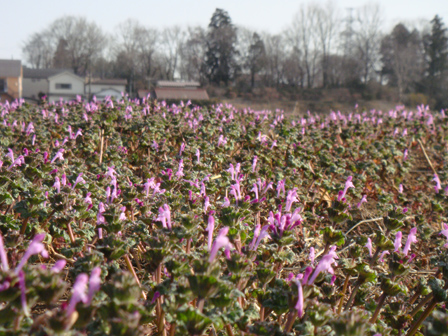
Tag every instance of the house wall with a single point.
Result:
(77, 86)
(95, 88)
(32, 87)
(14, 87)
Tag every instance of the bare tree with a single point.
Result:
(169, 49)
(38, 51)
(81, 41)
(192, 53)
(327, 24)
(302, 37)
(251, 53)
(367, 38)
(275, 58)
(134, 49)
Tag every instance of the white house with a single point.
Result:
(53, 83)
(102, 88)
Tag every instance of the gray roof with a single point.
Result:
(172, 84)
(10, 68)
(107, 81)
(42, 73)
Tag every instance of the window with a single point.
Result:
(3, 85)
(64, 86)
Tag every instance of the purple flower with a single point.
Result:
(94, 284)
(262, 234)
(210, 228)
(206, 203)
(400, 188)
(382, 255)
(369, 246)
(307, 274)
(255, 190)
(443, 232)
(3, 255)
(363, 200)
(325, 265)
(397, 242)
(348, 184)
(290, 199)
(165, 216)
(78, 293)
(58, 155)
(79, 179)
(226, 202)
(198, 155)
(220, 242)
(299, 304)
(155, 297)
(58, 266)
(411, 239)
(254, 164)
(312, 255)
(438, 185)
(36, 247)
(281, 188)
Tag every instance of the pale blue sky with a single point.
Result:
(21, 18)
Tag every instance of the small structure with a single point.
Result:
(164, 90)
(10, 80)
(53, 83)
(102, 88)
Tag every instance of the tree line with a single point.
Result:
(321, 48)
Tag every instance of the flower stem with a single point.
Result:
(378, 308)
(352, 296)
(423, 317)
(421, 304)
(344, 289)
(131, 269)
(290, 322)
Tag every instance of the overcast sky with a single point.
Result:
(21, 18)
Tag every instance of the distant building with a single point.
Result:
(164, 90)
(102, 88)
(10, 80)
(52, 83)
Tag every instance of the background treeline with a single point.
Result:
(323, 48)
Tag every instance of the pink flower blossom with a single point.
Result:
(348, 184)
(397, 242)
(220, 242)
(363, 200)
(299, 304)
(36, 247)
(210, 229)
(369, 246)
(411, 239)
(78, 293)
(443, 232)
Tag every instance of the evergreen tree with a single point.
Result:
(220, 65)
(436, 57)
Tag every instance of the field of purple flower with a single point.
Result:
(138, 218)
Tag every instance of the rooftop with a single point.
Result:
(110, 81)
(10, 68)
(180, 93)
(42, 73)
(173, 84)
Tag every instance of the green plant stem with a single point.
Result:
(70, 233)
(290, 321)
(421, 304)
(24, 225)
(229, 330)
(344, 289)
(131, 269)
(378, 308)
(423, 317)
(352, 295)
(374, 257)
(172, 329)
(200, 304)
